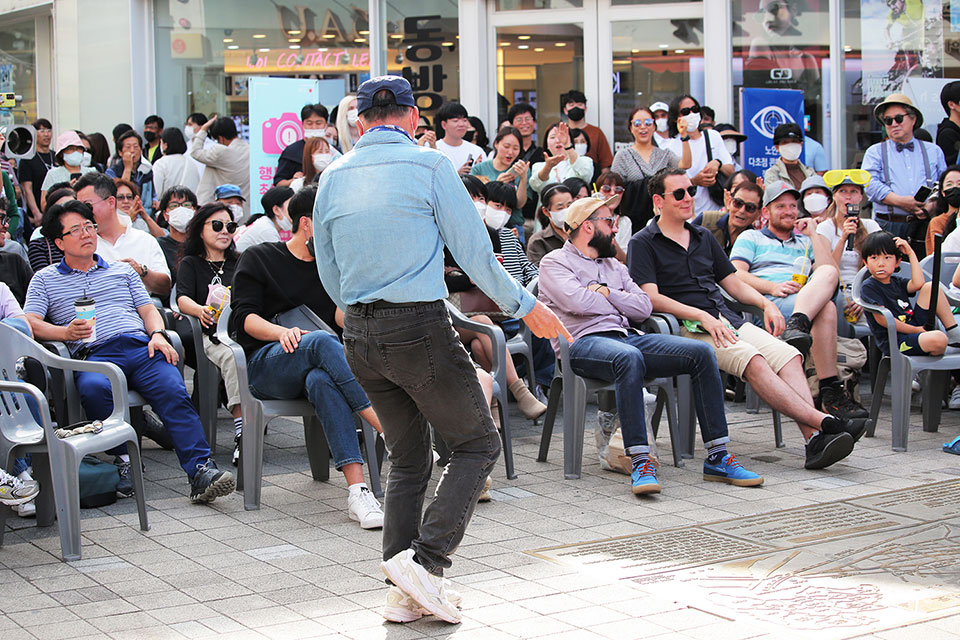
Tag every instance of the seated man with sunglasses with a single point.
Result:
(743, 209)
(682, 267)
(899, 166)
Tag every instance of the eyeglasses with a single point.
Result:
(646, 122)
(81, 230)
(92, 203)
(835, 176)
(176, 205)
(688, 110)
(126, 197)
(218, 225)
(897, 118)
(613, 220)
(749, 207)
(523, 119)
(608, 189)
(680, 194)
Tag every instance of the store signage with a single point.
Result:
(246, 61)
(761, 111)
(425, 48)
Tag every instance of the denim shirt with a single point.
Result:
(381, 218)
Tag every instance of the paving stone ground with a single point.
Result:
(299, 568)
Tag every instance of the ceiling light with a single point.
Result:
(293, 39)
(294, 32)
(294, 46)
(329, 36)
(359, 40)
(664, 46)
(634, 50)
(233, 46)
(504, 44)
(259, 35)
(228, 39)
(559, 44)
(264, 50)
(396, 36)
(364, 32)
(848, 48)
(679, 50)
(538, 49)
(523, 46)
(523, 37)
(446, 44)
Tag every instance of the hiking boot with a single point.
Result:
(835, 400)
(124, 485)
(426, 589)
(210, 483)
(797, 333)
(644, 479)
(856, 427)
(14, 491)
(824, 449)
(365, 509)
(730, 471)
(402, 608)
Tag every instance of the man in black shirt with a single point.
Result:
(32, 172)
(289, 362)
(290, 164)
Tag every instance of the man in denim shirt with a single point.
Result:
(382, 216)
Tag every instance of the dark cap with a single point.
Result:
(275, 196)
(789, 131)
(397, 85)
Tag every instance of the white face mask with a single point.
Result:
(179, 218)
(791, 150)
(188, 133)
(314, 133)
(481, 207)
(494, 218)
(731, 145)
(236, 211)
(321, 161)
(74, 158)
(580, 148)
(815, 202)
(559, 217)
(662, 125)
(87, 159)
(693, 121)
(352, 117)
(285, 224)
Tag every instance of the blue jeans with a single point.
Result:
(318, 370)
(627, 360)
(160, 384)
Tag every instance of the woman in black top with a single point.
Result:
(208, 261)
(41, 250)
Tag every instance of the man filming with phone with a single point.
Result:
(900, 166)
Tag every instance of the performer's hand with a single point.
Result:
(545, 324)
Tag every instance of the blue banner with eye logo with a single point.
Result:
(761, 111)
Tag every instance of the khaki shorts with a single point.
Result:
(222, 356)
(753, 341)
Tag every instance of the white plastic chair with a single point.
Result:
(56, 462)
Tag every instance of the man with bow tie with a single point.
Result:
(900, 165)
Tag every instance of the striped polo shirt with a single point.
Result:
(116, 289)
(769, 257)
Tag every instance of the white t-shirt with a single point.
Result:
(698, 159)
(458, 155)
(172, 171)
(262, 230)
(135, 244)
(951, 244)
(850, 260)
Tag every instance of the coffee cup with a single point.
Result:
(86, 310)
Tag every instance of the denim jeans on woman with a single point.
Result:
(317, 370)
(410, 361)
(627, 360)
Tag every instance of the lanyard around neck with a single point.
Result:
(391, 127)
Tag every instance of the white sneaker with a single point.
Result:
(402, 608)
(426, 589)
(365, 509)
(14, 491)
(26, 510)
(954, 402)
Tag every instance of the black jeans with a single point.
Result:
(415, 371)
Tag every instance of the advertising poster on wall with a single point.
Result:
(761, 111)
(899, 39)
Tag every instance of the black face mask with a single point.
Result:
(310, 248)
(468, 136)
(605, 245)
(149, 136)
(576, 114)
(952, 196)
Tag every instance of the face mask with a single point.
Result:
(310, 248)
(149, 136)
(494, 218)
(352, 117)
(236, 211)
(559, 217)
(468, 136)
(693, 121)
(790, 151)
(662, 125)
(817, 202)
(179, 218)
(731, 146)
(314, 133)
(481, 207)
(581, 148)
(286, 224)
(952, 196)
(321, 161)
(87, 159)
(576, 114)
(188, 133)
(74, 158)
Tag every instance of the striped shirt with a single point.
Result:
(515, 261)
(767, 256)
(115, 288)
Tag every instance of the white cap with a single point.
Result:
(659, 106)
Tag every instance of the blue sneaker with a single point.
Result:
(729, 470)
(644, 479)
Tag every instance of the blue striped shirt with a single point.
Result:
(767, 256)
(116, 289)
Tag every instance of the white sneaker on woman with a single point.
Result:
(365, 509)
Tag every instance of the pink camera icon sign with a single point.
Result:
(279, 132)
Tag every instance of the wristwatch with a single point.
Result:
(162, 332)
(143, 270)
(684, 139)
(568, 148)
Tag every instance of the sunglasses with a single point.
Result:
(749, 207)
(125, 197)
(835, 176)
(680, 194)
(688, 110)
(646, 122)
(891, 119)
(217, 226)
(608, 189)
